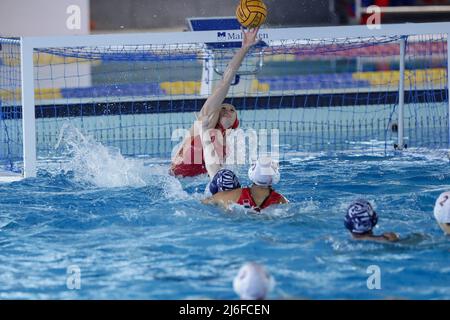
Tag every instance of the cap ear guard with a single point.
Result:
(276, 176)
(251, 172)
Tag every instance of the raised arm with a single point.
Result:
(212, 160)
(215, 100)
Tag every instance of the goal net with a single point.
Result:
(334, 92)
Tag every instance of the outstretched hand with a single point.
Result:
(249, 37)
(391, 236)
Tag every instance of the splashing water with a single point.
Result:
(95, 163)
(92, 163)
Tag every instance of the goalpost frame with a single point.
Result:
(401, 93)
(28, 110)
(29, 44)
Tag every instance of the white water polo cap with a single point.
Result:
(253, 282)
(264, 172)
(442, 208)
(442, 211)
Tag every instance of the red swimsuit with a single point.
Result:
(193, 168)
(196, 164)
(247, 201)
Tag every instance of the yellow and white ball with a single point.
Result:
(251, 13)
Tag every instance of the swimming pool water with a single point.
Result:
(137, 233)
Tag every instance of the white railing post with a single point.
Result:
(401, 93)
(28, 112)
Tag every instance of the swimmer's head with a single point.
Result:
(228, 117)
(264, 172)
(360, 217)
(253, 282)
(224, 180)
(442, 211)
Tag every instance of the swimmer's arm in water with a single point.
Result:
(224, 198)
(390, 236)
(215, 100)
(385, 237)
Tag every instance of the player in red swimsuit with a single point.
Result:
(264, 173)
(189, 159)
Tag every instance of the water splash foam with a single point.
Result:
(91, 162)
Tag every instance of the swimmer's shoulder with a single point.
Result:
(385, 237)
(224, 197)
(229, 196)
(281, 198)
